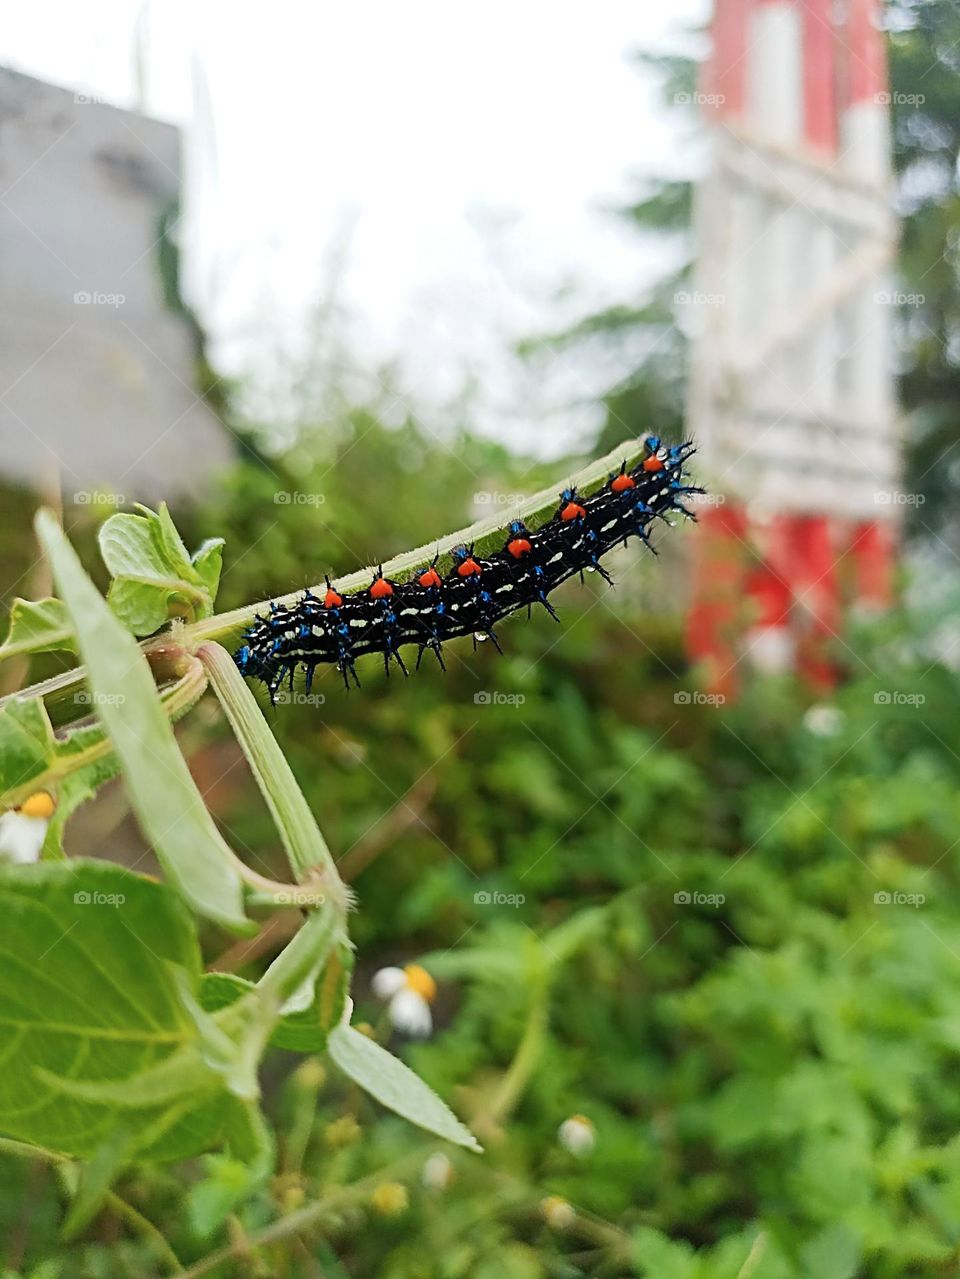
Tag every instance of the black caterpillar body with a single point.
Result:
(478, 591)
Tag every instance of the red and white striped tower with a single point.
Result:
(791, 387)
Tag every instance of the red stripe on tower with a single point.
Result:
(819, 75)
(867, 53)
(723, 71)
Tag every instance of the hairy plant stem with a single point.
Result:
(176, 699)
(485, 535)
(525, 1060)
(307, 852)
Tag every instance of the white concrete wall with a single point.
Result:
(100, 390)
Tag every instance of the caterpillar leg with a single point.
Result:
(395, 654)
(347, 668)
(436, 648)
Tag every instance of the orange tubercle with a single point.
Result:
(380, 588)
(572, 511)
(430, 578)
(620, 483)
(468, 567)
(332, 599)
(519, 546)
(653, 464)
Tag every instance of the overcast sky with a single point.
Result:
(459, 162)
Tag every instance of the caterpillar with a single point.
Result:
(477, 591)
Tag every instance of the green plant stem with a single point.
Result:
(303, 955)
(138, 1221)
(306, 1217)
(125, 1211)
(754, 1257)
(176, 699)
(525, 1060)
(294, 1147)
(304, 844)
(485, 534)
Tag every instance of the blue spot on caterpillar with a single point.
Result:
(478, 591)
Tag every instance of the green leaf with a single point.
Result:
(162, 792)
(210, 1201)
(208, 564)
(153, 576)
(301, 1032)
(169, 540)
(75, 789)
(37, 626)
(73, 762)
(482, 962)
(657, 1256)
(89, 1002)
(26, 742)
(567, 938)
(96, 1178)
(395, 1086)
(832, 1254)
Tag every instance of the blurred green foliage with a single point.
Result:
(700, 963)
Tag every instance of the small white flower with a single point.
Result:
(409, 993)
(22, 830)
(437, 1172)
(577, 1134)
(823, 721)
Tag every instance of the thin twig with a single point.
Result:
(404, 814)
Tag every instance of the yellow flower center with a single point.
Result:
(419, 979)
(390, 1199)
(42, 804)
